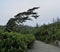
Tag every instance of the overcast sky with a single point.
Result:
(49, 9)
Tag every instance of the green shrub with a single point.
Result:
(15, 42)
(48, 33)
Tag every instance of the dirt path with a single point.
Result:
(42, 47)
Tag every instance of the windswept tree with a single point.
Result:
(20, 18)
(11, 25)
(23, 16)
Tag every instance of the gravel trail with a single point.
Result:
(42, 47)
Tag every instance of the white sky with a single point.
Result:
(49, 9)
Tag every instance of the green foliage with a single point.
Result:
(15, 42)
(48, 33)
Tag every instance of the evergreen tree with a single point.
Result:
(20, 18)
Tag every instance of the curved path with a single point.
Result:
(42, 47)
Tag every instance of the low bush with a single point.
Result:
(15, 42)
(48, 33)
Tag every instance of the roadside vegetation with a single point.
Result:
(49, 33)
(15, 42)
(15, 37)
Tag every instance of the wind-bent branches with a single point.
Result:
(23, 16)
(20, 18)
